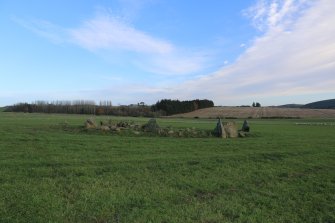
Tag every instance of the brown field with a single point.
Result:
(263, 112)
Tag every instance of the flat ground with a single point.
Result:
(263, 112)
(53, 171)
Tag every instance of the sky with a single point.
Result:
(130, 51)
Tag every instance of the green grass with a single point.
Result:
(282, 173)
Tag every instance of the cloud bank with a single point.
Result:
(294, 56)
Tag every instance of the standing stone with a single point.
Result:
(151, 126)
(231, 130)
(219, 130)
(245, 127)
(226, 130)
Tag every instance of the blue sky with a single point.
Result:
(128, 51)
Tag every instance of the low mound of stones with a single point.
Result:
(222, 130)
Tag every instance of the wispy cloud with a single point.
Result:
(294, 56)
(276, 14)
(46, 29)
(108, 34)
(131, 9)
(242, 45)
(154, 55)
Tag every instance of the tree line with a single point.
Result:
(171, 107)
(83, 107)
(163, 107)
(67, 107)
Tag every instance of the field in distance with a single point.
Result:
(262, 112)
(53, 170)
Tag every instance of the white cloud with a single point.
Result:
(152, 54)
(131, 8)
(43, 28)
(109, 32)
(281, 62)
(108, 35)
(277, 14)
(295, 56)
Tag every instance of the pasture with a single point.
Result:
(51, 170)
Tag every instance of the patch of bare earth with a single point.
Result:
(263, 112)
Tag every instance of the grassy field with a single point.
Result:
(52, 171)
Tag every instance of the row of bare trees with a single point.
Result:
(83, 107)
(163, 107)
(66, 107)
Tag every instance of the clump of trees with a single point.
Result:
(171, 107)
(257, 104)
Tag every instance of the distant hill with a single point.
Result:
(290, 106)
(326, 104)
